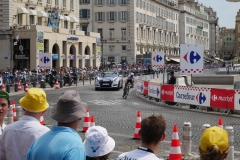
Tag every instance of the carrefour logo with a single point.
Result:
(154, 91)
(140, 87)
(170, 93)
(201, 98)
(222, 98)
(185, 96)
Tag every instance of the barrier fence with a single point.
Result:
(227, 99)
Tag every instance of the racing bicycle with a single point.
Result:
(126, 91)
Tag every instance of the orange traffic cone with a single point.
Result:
(14, 110)
(42, 120)
(175, 150)
(26, 87)
(3, 87)
(92, 121)
(57, 85)
(220, 123)
(19, 86)
(87, 122)
(137, 126)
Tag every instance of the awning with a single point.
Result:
(22, 10)
(32, 12)
(42, 14)
(61, 17)
(74, 20)
(175, 59)
(66, 18)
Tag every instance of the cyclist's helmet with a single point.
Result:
(132, 74)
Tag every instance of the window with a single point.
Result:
(84, 13)
(64, 3)
(31, 19)
(111, 48)
(99, 2)
(84, 1)
(84, 28)
(111, 2)
(112, 16)
(124, 48)
(20, 19)
(111, 33)
(71, 4)
(123, 33)
(66, 24)
(48, 2)
(39, 21)
(123, 2)
(100, 16)
(56, 2)
(100, 31)
(123, 16)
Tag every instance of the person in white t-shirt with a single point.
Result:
(152, 133)
(4, 107)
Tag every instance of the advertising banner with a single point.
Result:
(157, 60)
(140, 86)
(222, 98)
(98, 46)
(40, 42)
(167, 93)
(145, 88)
(191, 59)
(237, 100)
(45, 60)
(72, 57)
(192, 95)
(55, 57)
(154, 90)
(54, 17)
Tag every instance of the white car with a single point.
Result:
(109, 80)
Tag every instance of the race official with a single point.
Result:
(152, 133)
(19, 136)
(4, 107)
(62, 142)
(172, 79)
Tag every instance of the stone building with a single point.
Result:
(30, 27)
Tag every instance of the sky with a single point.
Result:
(226, 11)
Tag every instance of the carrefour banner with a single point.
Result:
(237, 100)
(167, 92)
(154, 90)
(140, 86)
(145, 88)
(192, 95)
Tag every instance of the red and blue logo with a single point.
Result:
(192, 57)
(45, 60)
(201, 98)
(157, 58)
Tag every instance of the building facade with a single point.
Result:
(228, 38)
(131, 29)
(31, 27)
(237, 34)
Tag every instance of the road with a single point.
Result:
(118, 116)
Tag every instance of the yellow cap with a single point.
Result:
(214, 136)
(34, 101)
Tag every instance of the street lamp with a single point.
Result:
(102, 52)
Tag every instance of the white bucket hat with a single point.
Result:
(97, 142)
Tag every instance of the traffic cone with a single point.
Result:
(175, 150)
(14, 110)
(92, 121)
(26, 87)
(19, 86)
(220, 123)
(3, 87)
(57, 85)
(137, 126)
(87, 121)
(42, 120)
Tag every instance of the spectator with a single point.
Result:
(152, 133)
(214, 144)
(172, 79)
(4, 107)
(98, 144)
(62, 142)
(18, 137)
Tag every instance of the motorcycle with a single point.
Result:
(50, 79)
(68, 78)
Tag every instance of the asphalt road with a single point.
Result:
(118, 116)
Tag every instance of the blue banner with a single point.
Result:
(54, 18)
(55, 57)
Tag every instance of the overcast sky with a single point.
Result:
(226, 11)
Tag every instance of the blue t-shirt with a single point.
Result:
(60, 143)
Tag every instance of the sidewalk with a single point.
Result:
(79, 84)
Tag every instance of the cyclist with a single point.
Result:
(130, 79)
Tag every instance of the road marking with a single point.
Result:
(111, 102)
